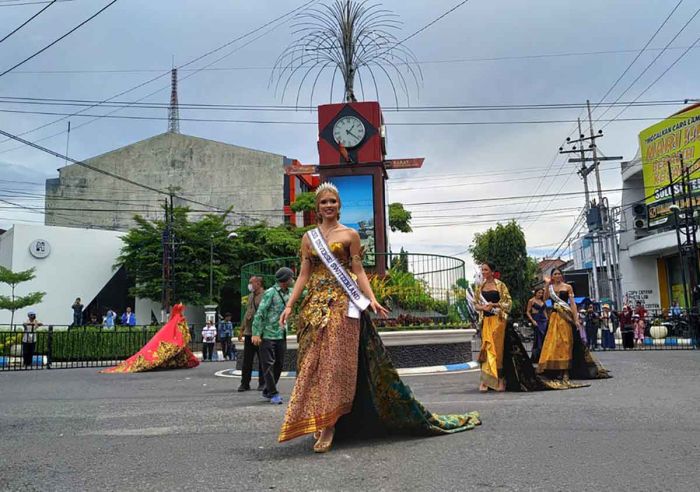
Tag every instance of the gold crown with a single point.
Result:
(326, 186)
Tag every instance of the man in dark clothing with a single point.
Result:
(77, 312)
(250, 351)
(591, 323)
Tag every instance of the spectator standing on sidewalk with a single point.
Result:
(77, 312)
(208, 340)
(608, 325)
(250, 351)
(591, 323)
(225, 334)
(109, 318)
(29, 337)
(269, 335)
(128, 317)
(640, 316)
(627, 327)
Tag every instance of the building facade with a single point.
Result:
(204, 175)
(650, 263)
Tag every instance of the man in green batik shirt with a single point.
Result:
(269, 335)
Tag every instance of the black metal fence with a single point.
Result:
(658, 334)
(58, 347)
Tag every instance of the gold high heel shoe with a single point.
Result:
(324, 447)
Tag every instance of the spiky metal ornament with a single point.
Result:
(351, 38)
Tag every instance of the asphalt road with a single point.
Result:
(75, 429)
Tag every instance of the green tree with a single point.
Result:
(505, 246)
(14, 302)
(142, 254)
(400, 263)
(305, 202)
(399, 218)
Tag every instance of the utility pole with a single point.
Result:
(604, 211)
(165, 282)
(168, 243)
(584, 172)
(599, 224)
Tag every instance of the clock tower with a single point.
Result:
(352, 156)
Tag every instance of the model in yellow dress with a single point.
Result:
(493, 302)
(563, 352)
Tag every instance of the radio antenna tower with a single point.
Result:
(173, 112)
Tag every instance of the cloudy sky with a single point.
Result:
(510, 52)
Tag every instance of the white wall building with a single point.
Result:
(69, 263)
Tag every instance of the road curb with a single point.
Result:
(408, 371)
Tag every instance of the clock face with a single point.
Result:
(348, 131)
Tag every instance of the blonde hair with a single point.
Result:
(326, 187)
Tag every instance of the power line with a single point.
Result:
(60, 38)
(28, 21)
(142, 84)
(267, 68)
(307, 123)
(13, 4)
(615, 118)
(640, 53)
(654, 61)
(101, 171)
(644, 48)
(429, 24)
(38, 101)
(472, 200)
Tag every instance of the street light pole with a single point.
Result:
(211, 269)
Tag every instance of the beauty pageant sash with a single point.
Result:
(566, 311)
(558, 300)
(358, 301)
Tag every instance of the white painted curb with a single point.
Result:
(408, 371)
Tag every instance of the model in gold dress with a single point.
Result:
(345, 378)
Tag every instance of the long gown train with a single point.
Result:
(167, 349)
(345, 377)
(564, 349)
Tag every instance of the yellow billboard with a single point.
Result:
(664, 143)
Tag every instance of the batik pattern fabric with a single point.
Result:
(493, 330)
(345, 377)
(518, 371)
(558, 343)
(564, 349)
(168, 349)
(493, 327)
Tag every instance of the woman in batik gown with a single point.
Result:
(505, 365)
(168, 349)
(564, 354)
(493, 302)
(345, 378)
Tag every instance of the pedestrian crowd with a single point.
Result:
(109, 318)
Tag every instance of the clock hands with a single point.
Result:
(352, 134)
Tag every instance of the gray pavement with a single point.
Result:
(75, 429)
